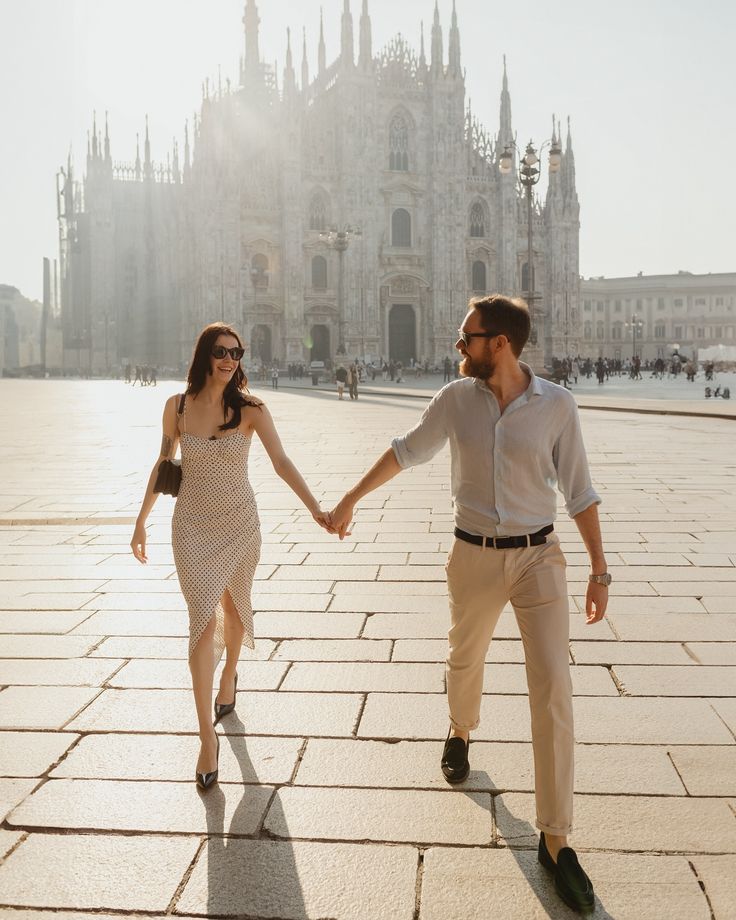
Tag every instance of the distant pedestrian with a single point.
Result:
(137, 375)
(446, 370)
(353, 376)
(341, 376)
(152, 376)
(274, 378)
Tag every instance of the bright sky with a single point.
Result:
(649, 85)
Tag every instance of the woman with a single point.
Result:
(215, 528)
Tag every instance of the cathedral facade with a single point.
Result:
(350, 211)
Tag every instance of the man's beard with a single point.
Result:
(482, 369)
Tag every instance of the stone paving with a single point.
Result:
(331, 805)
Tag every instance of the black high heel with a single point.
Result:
(205, 780)
(223, 709)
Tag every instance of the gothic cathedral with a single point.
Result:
(352, 211)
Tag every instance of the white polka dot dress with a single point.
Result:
(215, 532)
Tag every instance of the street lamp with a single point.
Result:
(529, 175)
(340, 240)
(636, 326)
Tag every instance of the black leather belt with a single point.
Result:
(530, 539)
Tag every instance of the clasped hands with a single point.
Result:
(338, 520)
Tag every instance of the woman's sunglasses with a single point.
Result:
(219, 351)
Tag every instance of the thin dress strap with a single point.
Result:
(182, 413)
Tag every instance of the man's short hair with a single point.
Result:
(506, 315)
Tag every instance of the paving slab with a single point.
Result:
(629, 823)
(501, 650)
(358, 677)
(333, 650)
(101, 805)
(713, 652)
(42, 707)
(98, 872)
(33, 621)
(468, 883)
(640, 680)
(71, 672)
(167, 647)
(171, 758)
(627, 769)
(12, 792)
(319, 880)
(706, 770)
(617, 653)
(718, 875)
(381, 815)
(165, 674)
(32, 753)
(286, 625)
(267, 713)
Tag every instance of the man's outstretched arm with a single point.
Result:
(385, 468)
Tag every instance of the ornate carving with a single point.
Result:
(384, 295)
(403, 285)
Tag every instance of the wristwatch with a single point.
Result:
(604, 579)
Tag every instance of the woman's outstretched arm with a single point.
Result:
(169, 442)
(264, 427)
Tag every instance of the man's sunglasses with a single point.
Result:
(219, 351)
(465, 337)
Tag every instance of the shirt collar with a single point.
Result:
(534, 388)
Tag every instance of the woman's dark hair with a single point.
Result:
(236, 393)
(507, 315)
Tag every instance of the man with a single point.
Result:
(512, 436)
(341, 376)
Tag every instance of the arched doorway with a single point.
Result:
(320, 344)
(260, 344)
(402, 333)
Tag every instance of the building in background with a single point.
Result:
(653, 313)
(235, 226)
(20, 331)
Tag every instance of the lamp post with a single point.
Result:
(529, 175)
(636, 326)
(339, 240)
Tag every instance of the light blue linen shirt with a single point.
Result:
(505, 468)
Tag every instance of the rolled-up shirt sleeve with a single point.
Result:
(571, 463)
(426, 438)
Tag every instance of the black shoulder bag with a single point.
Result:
(168, 478)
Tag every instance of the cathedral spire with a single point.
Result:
(454, 46)
(138, 157)
(305, 62)
(107, 143)
(94, 135)
(187, 160)
(505, 133)
(252, 54)
(147, 165)
(346, 40)
(422, 56)
(568, 169)
(289, 75)
(321, 54)
(437, 62)
(366, 51)
(176, 175)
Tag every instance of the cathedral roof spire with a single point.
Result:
(176, 175)
(366, 51)
(107, 142)
(137, 157)
(305, 62)
(321, 54)
(437, 66)
(187, 160)
(251, 23)
(568, 169)
(454, 46)
(147, 165)
(94, 135)
(346, 40)
(422, 56)
(505, 133)
(289, 75)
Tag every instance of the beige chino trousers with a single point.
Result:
(480, 582)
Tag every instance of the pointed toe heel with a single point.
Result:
(206, 780)
(224, 709)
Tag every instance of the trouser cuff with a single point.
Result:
(556, 831)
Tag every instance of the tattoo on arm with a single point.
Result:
(165, 446)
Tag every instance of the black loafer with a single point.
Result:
(455, 764)
(571, 882)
